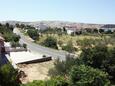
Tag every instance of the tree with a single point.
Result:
(64, 30)
(89, 30)
(17, 25)
(15, 44)
(16, 38)
(58, 31)
(29, 27)
(8, 76)
(109, 32)
(94, 56)
(109, 65)
(11, 27)
(101, 30)
(22, 26)
(50, 42)
(87, 76)
(95, 30)
(7, 25)
(33, 33)
(0, 24)
(100, 57)
(25, 46)
(11, 37)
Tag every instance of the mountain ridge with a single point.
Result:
(58, 24)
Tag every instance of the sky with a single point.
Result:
(85, 11)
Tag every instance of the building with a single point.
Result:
(108, 27)
(70, 29)
(41, 26)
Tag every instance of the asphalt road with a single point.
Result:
(40, 49)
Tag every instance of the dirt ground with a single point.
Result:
(36, 71)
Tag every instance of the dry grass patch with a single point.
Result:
(36, 71)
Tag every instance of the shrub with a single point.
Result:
(100, 57)
(69, 47)
(11, 37)
(15, 44)
(8, 76)
(33, 33)
(57, 81)
(87, 76)
(25, 45)
(62, 68)
(50, 42)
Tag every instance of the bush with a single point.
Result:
(62, 68)
(101, 30)
(15, 38)
(7, 32)
(11, 37)
(15, 44)
(109, 32)
(50, 42)
(69, 47)
(33, 33)
(100, 57)
(57, 81)
(25, 45)
(35, 83)
(8, 76)
(87, 76)
(95, 56)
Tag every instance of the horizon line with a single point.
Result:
(52, 21)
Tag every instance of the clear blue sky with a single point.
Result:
(87, 11)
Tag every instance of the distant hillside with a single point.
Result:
(109, 26)
(57, 24)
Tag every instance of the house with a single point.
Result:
(41, 26)
(108, 27)
(70, 29)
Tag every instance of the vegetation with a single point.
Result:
(50, 42)
(75, 72)
(57, 81)
(95, 66)
(15, 44)
(8, 76)
(25, 45)
(33, 33)
(87, 76)
(100, 57)
(7, 32)
(62, 68)
(50, 30)
(98, 60)
(69, 47)
(20, 26)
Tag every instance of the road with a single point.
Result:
(40, 49)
